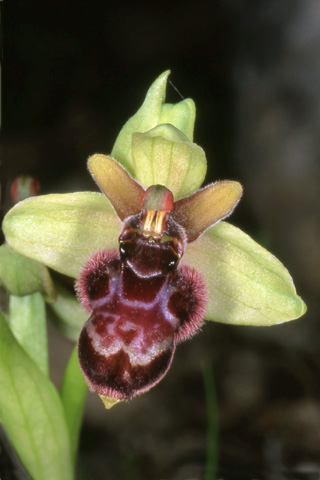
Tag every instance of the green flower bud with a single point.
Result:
(154, 112)
(20, 275)
(146, 118)
(24, 187)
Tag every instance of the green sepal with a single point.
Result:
(247, 284)
(165, 156)
(31, 413)
(62, 231)
(27, 319)
(20, 275)
(69, 316)
(146, 118)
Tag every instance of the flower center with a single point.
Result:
(157, 203)
(154, 223)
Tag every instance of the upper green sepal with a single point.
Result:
(146, 117)
(21, 276)
(165, 156)
(154, 112)
(247, 284)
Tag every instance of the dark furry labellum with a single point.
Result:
(142, 303)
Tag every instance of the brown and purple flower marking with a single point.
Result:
(142, 302)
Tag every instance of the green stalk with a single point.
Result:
(73, 396)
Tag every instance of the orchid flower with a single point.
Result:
(153, 240)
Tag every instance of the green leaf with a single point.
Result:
(22, 276)
(73, 395)
(62, 231)
(31, 413)
(182, 115)
(69, 314)
(165, 156)
(146, 118)
(27, 317)
(247, 285)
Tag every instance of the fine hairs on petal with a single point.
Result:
(96, 266)
(207, 206)
(193, 294)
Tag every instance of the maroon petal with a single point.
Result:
(206, 207)
(115, 182)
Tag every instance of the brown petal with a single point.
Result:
(206, 207)
(115, 182)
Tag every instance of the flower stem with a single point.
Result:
(73, 395)
(210, 470)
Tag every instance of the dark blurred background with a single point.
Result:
(73, 72)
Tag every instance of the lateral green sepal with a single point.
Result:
(62, 231)
(247, 284)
